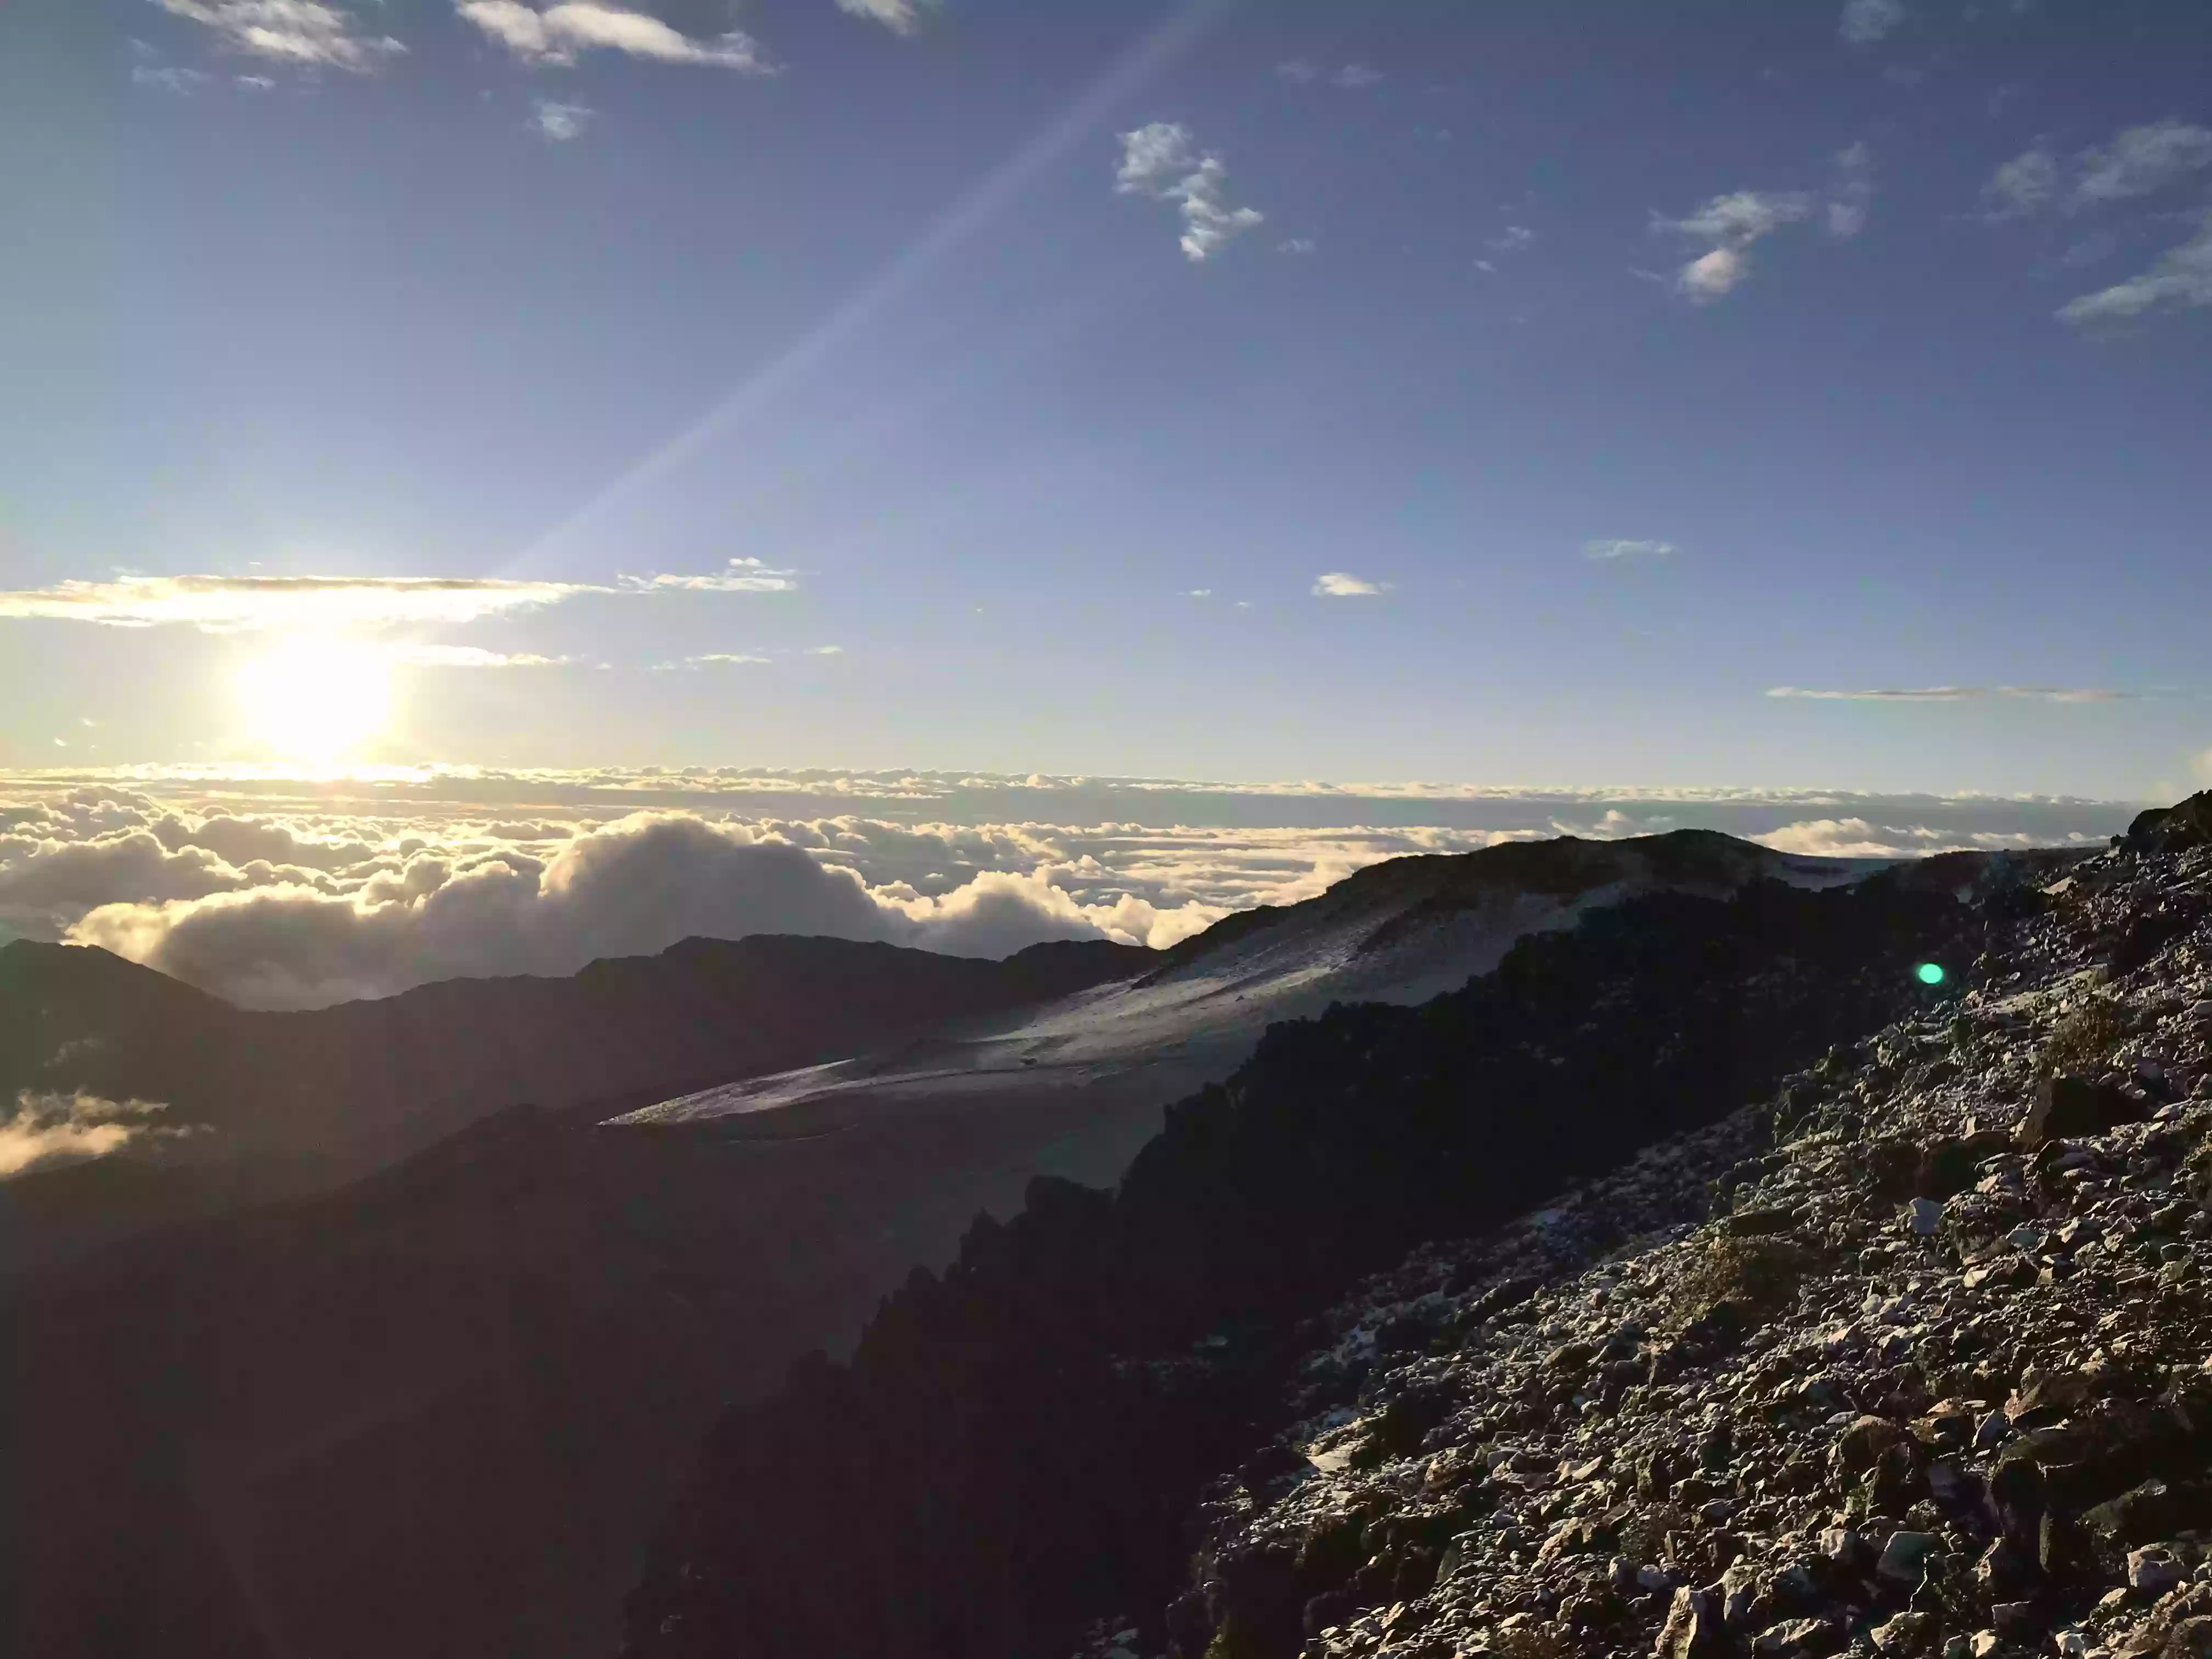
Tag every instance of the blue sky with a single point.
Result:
(1645, 362)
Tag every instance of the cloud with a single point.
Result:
(221, 604)
(559, 122)
(1157, 161)
(629, 888)
(1296, 245)
(1616, 549)
(558, 33)
(303, 31)
(2140, 162)
(167, 77)
(470, 656)
(743, 576)
(826, 651)
(1352, 77)
(2137, 161)
(1851, 196)
(2026, 184)
(1958, 694)
(314, 905)
(712, 659)
(1514, 239)
(899, 16)
(1732, 223)
(58, 1128)
(1864, 22)
(2180, 278)
(1343, 585)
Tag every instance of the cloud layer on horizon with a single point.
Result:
(302, 906)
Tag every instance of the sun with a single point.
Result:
(313, 699)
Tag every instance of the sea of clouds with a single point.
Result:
(279, 892)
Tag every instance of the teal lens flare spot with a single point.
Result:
(1931, 973)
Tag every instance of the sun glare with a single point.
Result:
(313, 699)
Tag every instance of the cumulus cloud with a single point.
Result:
(226, 605)
(1957, 694)
(320, 896)
(1732, 223)
(303, 32)
(60, 1128)
(1606, 548)
(1158, 161)
(557, 34)
(899, 16)
(1343, 585)
(2179, 279)
(1865, 22)
(557, 122)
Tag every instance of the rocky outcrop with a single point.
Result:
(1018, 1445)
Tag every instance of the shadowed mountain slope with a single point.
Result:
(284, 1103)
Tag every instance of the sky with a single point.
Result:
(485, 483)
(1810, 395)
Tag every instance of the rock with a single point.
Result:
(2153, 1571)
(1924, 1216)
(1801, 1638)
(1904, 1557)
(1908, 1632)
(1860, 1446)
(2153, 1510)
(2070, 1108)
(1694, 1628)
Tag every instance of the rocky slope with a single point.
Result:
(1910, 1356)
(1020, 1444)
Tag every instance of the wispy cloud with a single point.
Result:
(303, 32)
(1957, 694)
(1352, 77)
(1731, 223)
(470, 656)
(2180, 278)
(1613, 548)
(68, 1128)
(825, 650)
(1159, 160)
(168, 78)
(557, 34)
(2140, 162)
(1514, 239)
(1864, 22)
(743, 576)
(1851, 197)
(2026, 184)
(223, 605)
(899, 16)
(1343, 585)
(1296, 245)
(557, 122)
(2135, 162)
(711, 659)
